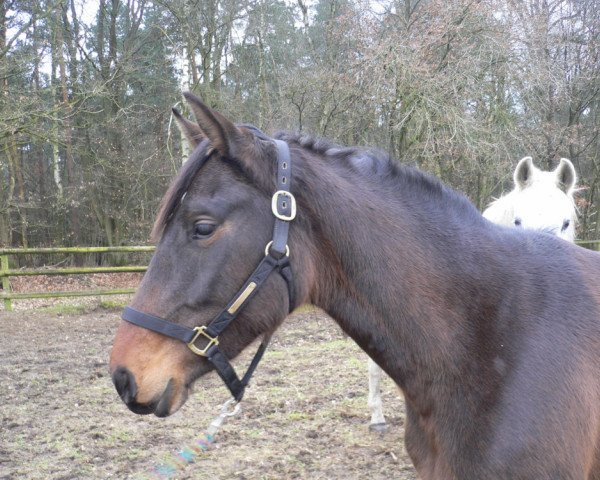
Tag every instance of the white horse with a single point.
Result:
(539, 201)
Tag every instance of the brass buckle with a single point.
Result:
(292, 200)
(211, 341)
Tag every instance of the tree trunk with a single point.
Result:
(15, 173)
(38, 152)
(5, 236)
(67, 113)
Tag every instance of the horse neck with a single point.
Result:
(394, 269)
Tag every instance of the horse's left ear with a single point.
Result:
(566, 178)
(192, 132)
(237, 144)
(224, 136)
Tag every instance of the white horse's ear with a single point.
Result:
(523, 173)
(566, 178)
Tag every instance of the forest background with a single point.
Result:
(460, 88)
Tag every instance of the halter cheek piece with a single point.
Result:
(204, 340)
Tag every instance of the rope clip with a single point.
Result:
(229, 409)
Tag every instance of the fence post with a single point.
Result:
(4, 268)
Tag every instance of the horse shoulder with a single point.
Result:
(552, 389)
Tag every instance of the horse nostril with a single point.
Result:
(125, 384)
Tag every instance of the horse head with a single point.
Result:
(212, 229)
(540, 200)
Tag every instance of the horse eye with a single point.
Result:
(518, 222)
(565, 225)
(202, 230)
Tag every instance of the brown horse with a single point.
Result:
(493, 334)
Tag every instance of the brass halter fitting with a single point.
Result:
(201, 331)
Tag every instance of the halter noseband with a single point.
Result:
(283, 206)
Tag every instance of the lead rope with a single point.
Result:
(169, 467)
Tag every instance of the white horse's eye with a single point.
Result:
(518, 222)
(565, 225)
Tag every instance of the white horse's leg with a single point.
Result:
(377, 419)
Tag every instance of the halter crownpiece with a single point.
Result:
(283, 206)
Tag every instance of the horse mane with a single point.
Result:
(376, 165)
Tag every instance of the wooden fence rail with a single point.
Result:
(6, 272)
(589, 244)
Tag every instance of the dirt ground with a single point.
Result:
(305, 414)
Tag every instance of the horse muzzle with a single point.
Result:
(161, 406)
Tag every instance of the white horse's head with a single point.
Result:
(540, 200)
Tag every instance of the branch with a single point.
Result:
(23, 28)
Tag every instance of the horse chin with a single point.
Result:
(176, 394)
(171, 401)
(172, 398)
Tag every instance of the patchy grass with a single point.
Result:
(113, 304)
(305, 414)
(64, 309)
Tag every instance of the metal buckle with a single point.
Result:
(211, 341)
(287, 249)
(292, 200)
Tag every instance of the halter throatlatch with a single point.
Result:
(204, 340)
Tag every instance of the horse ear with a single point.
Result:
(523, 172)
(224, 136)
(566, 178)
(192, 132)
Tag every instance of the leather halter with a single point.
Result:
(283, 205)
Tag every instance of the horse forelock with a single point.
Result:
(545, 191)
(179, 187)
